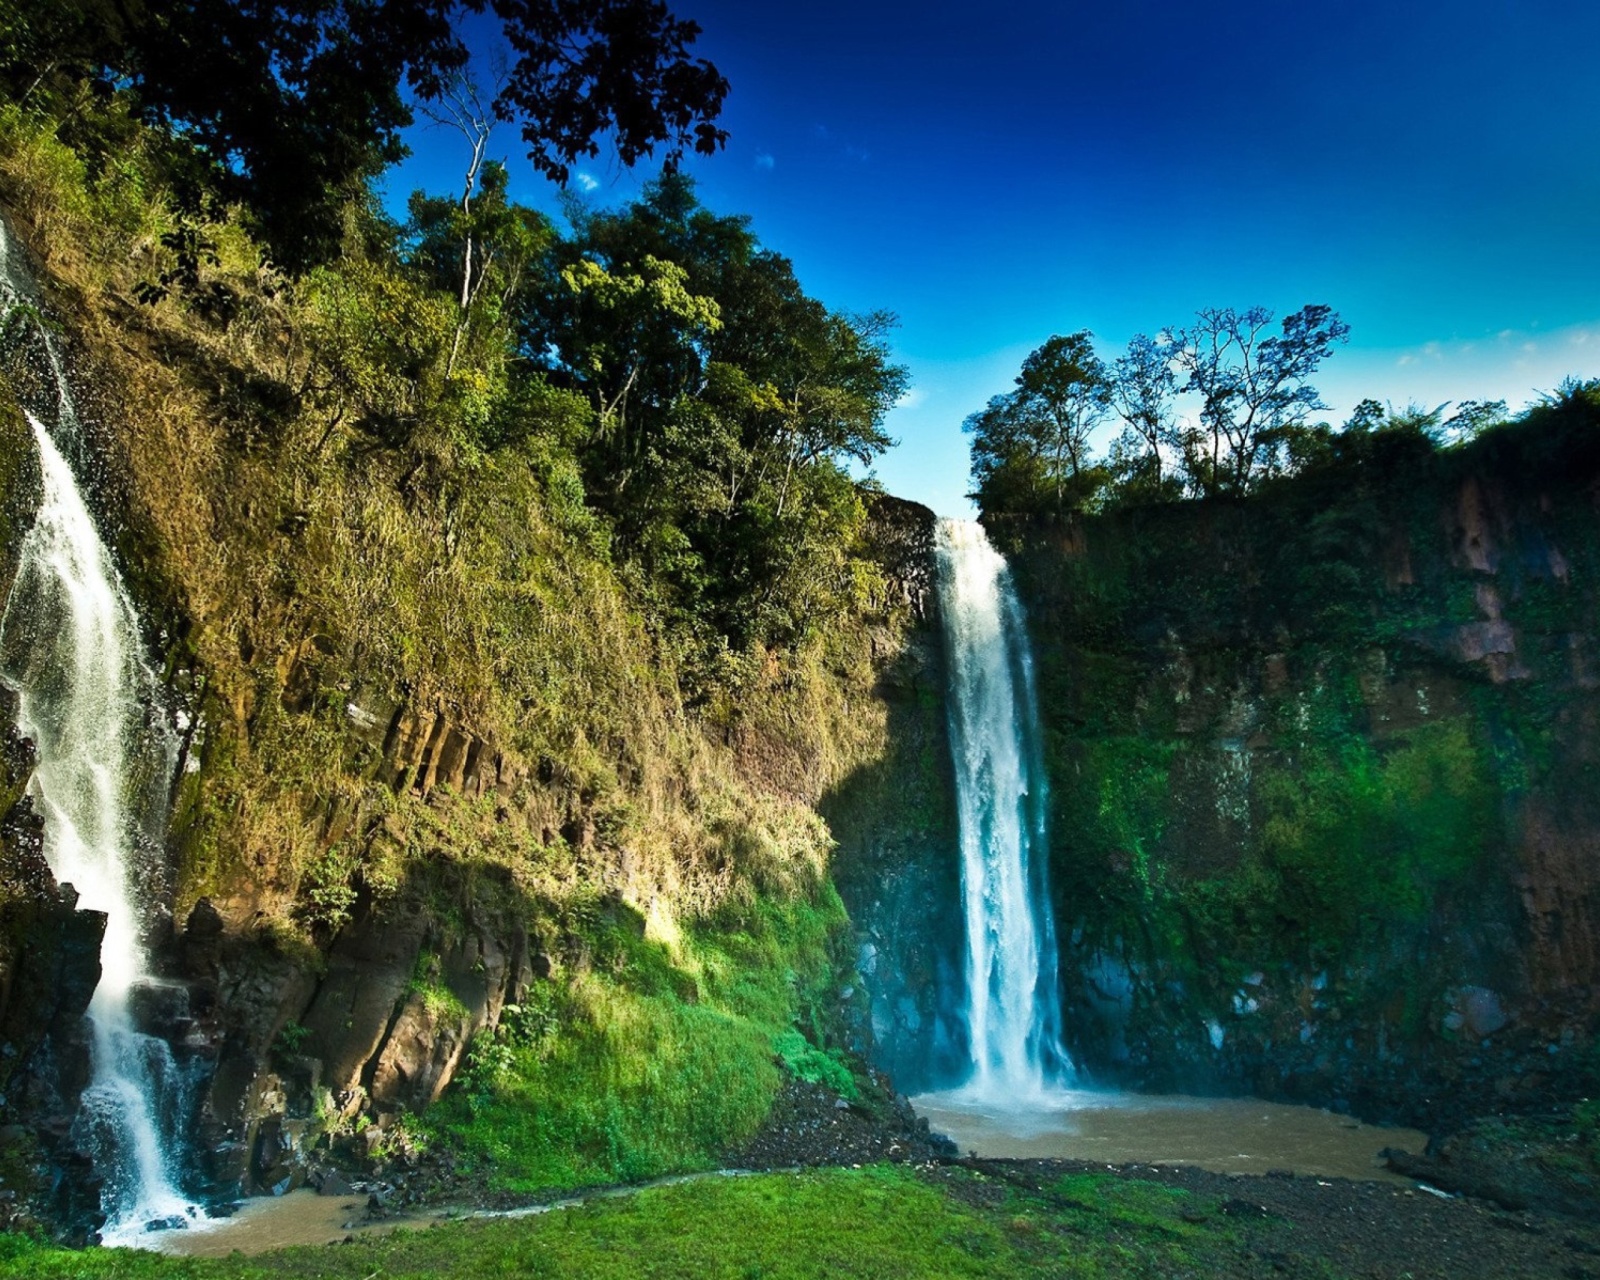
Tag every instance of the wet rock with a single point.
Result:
(334, 1183)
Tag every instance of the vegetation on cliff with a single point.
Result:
(521, 608)
(1321, 816)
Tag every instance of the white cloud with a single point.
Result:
(588, 181)
(1514, 365)
(766, 160)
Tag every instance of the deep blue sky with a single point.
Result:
(995, 173)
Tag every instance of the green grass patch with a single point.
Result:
(876, 1222)
(656, 1058)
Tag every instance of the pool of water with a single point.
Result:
(274, 1222)
(305, 1218)
(1224, 1135)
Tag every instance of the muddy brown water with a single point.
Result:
(1223, 1135)
(303, 1217)
(275, 1222)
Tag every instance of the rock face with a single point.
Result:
(1326, 772)
(49, 968)
(897, 864)
(379, 1033)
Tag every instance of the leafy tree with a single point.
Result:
(480, 248)
(1143, 387)
(1030, 447)
(1366, 416)
(727, 405)
(1473, 417)
(295, 102)
(1254, 387)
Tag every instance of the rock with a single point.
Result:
(333, 1183)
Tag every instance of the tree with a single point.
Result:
(1031, 446)
(728, 406)
(1254, 386)
(1473, 417)
(478, 246)
(1143, 387)
(295, 102)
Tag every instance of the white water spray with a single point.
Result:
(69, 647)
(1013, 1002)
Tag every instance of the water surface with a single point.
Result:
(1224, 1135)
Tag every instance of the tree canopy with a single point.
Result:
(1250, 384)
(1031, 445)
(726, 403)
(293, 103)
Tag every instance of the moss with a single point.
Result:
(19, 483)
(653, 1059)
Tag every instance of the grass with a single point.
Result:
(882, 1221)
(656, 1058)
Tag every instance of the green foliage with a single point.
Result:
(289, 1039)
(290, 106)
(725, 405)
(1030, 447)
(326, 891)
(815, 1066)
(1356, 836)
(654, 1059)
(874, 1222)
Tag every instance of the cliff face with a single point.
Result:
(441, 817)
(1325, 769)
(897, 863)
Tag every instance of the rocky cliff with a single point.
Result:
(1325, 768)
(444, 828)
(898, 858)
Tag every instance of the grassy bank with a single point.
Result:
(880, 1221)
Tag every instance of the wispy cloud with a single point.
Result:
(765, 160)
(1514, 365)
(588, 181)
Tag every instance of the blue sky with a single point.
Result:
(995, 173)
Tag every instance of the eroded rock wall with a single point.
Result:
(897, 864)
(1326, 768)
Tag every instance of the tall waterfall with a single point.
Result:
(1013, 1004)
(69, 647)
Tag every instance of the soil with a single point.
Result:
(811, 1126)
(1365, 1230)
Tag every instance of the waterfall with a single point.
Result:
(1013, 1002)
(69, 647)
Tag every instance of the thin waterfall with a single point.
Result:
(1013, 1001)
(69, 647)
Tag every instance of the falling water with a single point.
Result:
(69, 647)
(1013, 1005)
